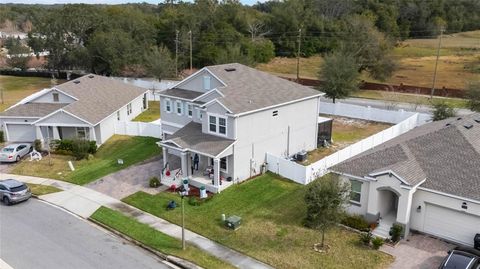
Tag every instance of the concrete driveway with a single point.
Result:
(130, 180)
(420, 251)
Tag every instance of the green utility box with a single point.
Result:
(233, 222)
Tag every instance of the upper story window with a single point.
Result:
(129, 109)
(206, 82)
(56, 98)
(355, 191)
(179, 107)
(199, 114)
(217, 124)
(190, 110)
(168, 105)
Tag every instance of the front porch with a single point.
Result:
(197, 180)
(48, 133)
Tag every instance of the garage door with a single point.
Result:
(450, 224)
(21, 132)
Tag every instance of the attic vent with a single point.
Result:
(468, 126)
(230, 69)
(477, 120)
(275, 113)
(76, 81)
(91, 76)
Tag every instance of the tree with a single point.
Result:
(340, 75)
(159, 63)
(326, 198)
(442, 110)
(473, 95)
(18, 56)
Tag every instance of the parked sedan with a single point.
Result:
(462, 258)
(13, 191)
(15, 152)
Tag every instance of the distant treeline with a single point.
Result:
(122, 39)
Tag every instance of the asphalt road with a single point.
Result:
(37, 235)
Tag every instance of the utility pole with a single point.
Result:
(298, 53)
(190, 36)
(176, 53)
(436, 63)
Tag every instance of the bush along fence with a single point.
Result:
(136, 128)
(306, 174)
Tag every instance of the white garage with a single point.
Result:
(453, 225)
(20, 132)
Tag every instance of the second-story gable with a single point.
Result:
(53, 96)
(202, 81)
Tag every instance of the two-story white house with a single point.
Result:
(228, 117)
(86, 108)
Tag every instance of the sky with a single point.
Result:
(247, 2)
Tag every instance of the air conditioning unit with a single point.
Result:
(301, 156)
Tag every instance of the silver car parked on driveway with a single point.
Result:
(13, 191)
(15, 152)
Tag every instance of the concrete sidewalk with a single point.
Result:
(84, 202)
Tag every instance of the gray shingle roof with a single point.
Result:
(98, 96)
(181, 93)
(250, 89)
(445, 153)
(37, 110)
(191, 137)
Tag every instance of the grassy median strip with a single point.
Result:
(38, 189)
(155, 239)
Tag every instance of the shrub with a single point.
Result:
(2, 137)
(377, 242)
(80, 148)
(396, 232)
(37, 145)
(356, 222)
(442, 110)
(62, 145)
(92, 149)
(365, 238)
(154, 182)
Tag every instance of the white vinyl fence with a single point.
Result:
(136, 128)
(305, 174)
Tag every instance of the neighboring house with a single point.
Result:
(230, 116)
(87, 107)
(427, 180)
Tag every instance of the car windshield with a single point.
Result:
(7, 150)
(18, 188)
(458, 261)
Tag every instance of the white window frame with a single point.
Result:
(179, 105)
(168, 105)
(189, 110)
(118, 115)
(86, 132)
(217, 124)
(55, 94)
(226, 164)
(355, 192)
(129, 109)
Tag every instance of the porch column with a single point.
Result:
(183, 157)
(404, 210)
(56, 135)
(165, 157)
(38, 133)
(93, 136)
(216, 172)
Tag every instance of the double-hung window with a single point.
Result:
(190, 110)
(224, 165)
(168, 105)
(179, 107)
(355, 191)
(217, 124)
(129, 109)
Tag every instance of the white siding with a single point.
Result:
(196, 83)
(48, 98)
(61, 118)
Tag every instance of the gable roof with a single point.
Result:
(96, 97)
(249, 89)
(445, 153)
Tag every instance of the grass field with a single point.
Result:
(155, 239)
(459, 62)
(151, 114)
(38, 189)
(131, 149)
(345, 131)
(272, 210)
(17, 88)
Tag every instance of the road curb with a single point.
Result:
(184, 264)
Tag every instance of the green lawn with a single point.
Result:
(151, 114)
(38, 189)
(16, 88)
(155, 239)
(131, 149)
(272, 210)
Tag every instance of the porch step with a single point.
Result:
(382, 231)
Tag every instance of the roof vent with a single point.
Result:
(468, 126)
(76, 81)
(459, 118)
(230, 69)
(90, 76)
(250, 101)
(448, 124)
(477, 120)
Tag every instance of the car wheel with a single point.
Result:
(6, 201)
(18, 158)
